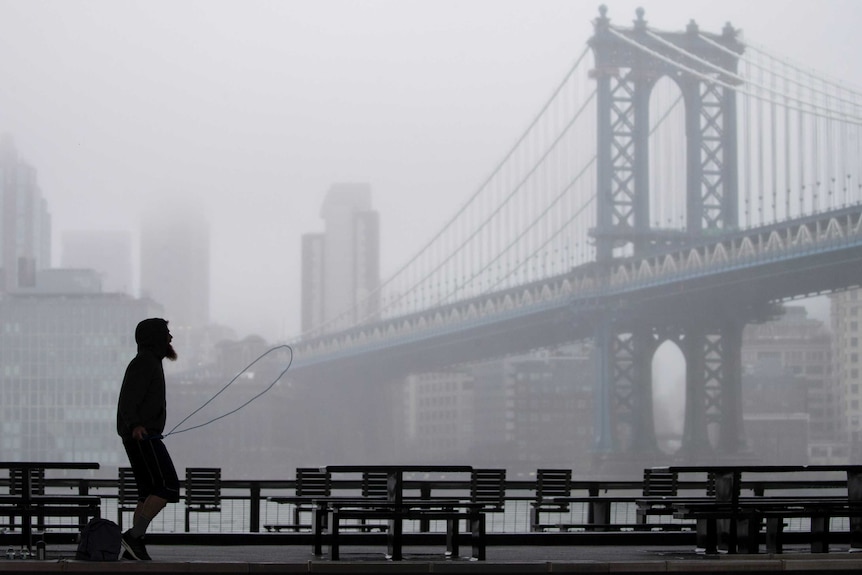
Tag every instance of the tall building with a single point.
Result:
(25, 225)
(107, 252)
(341, 266)
(175, 265)
(63, 353)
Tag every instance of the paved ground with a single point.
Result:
(502, 559)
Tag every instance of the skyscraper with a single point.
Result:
(107, 252)
(341, 266)
(175, 264)
(25, 225)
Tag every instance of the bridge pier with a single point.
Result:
(713, 412)
(624, 420)
(712, 349)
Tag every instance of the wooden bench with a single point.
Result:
(745, 521)
(487, 495)
(660, 487)
(313, 487)
(127, 493)
(550, 484)
(452, 512)
(27, 498)
(311, 483)
(78, 509)
(660, 490)
(203, 491)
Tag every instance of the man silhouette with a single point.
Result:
(141, 416)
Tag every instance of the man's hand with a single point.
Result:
(139, 433)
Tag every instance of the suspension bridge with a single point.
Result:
(675, 186)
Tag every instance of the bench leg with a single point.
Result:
(820, 534)
(707, 536)
(477, 536)
(333, 528)
(394, 540)
(748, 530)
(727, 534)
(855, 533)
(452, 527)
(318, 524)
(599, 513)
(774, 535)
(534, 519)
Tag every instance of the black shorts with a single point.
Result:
(154, 471)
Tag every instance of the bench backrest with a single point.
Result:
(127, 492)
(375, 485)
(660, 482)
(311, 481)
(37, 481)
(553, 483)
(488, 486)
(203, 488)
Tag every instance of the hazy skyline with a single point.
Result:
(255, 108)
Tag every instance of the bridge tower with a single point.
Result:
(710, 343)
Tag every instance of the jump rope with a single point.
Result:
(174, 430)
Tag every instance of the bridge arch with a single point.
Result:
(668, 395)
(667, 157)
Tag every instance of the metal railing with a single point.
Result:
(245, 508)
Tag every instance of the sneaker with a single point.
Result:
(134, 547)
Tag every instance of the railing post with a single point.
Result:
(424, 493)
(83, 489)
(254, 511)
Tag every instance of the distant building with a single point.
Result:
(107, 252)
(846, 316)
(778, 438)
(787, 371)
(61, 281)
(175, 265)
(341, 266)
(518, 412)
(62, 360)
(25, 225)
(438, 412)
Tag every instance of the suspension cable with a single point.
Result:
(716, 80)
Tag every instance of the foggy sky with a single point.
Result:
(254, 108)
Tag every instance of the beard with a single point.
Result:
(171, 354)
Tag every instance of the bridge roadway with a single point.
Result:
(574, 558)
(705, 280)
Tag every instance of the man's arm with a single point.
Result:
(135, 385)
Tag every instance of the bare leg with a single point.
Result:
(145, 512)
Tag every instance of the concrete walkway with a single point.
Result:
(501, 559)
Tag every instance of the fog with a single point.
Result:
(253, 109)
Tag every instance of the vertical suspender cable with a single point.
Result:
(787, 128)
(816, 164)
(760, 183)
(746, 154)
(773, 150)
(801, 155)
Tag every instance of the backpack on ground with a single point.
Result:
(100, 540)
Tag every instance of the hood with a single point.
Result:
(152, 334)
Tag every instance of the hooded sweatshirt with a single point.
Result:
(142, 396)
